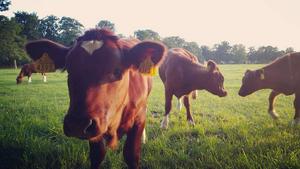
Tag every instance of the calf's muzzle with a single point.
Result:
(80, 127)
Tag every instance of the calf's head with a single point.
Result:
(251, 82)
(98, 66)
(215, 82)
(24, 72)
(19, 79)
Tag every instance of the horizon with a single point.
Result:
(251, 23)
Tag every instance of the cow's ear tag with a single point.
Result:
(147, 67)
(44, 64)
(262, 75)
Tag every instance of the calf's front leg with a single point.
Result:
(29, 79)
(132, 147)
(168, 105)
(97, 154)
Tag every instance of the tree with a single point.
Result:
(174, 42)
(49, 28)
(289, 50)
(251, 54)
(222, 52)
(4, 5)
(238, 54)
(105, 24)
(29, 24)
(193, 48)
(121, 35)
(63, 30)
(11, 43)
(264, 54)
(69, 29)
(206, 53)
(146, 35)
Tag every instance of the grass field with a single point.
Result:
(230, 132)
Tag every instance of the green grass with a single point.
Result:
(230, 132)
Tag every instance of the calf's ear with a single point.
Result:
(145, 56)
(48, 55)
(260, 73)
(211, 66)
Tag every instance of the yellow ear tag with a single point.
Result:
(44, 64)
(147, 67)
(262, 75)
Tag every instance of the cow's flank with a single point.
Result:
(108, 94)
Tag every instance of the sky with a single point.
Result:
(207, 22)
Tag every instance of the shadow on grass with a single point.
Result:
(11, 156)
(41, 148)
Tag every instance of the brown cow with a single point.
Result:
(28, 70)
(108, 93)
(194, 93)
(181, 75)
(282, 76)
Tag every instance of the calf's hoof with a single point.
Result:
(273, 114)
(165, 122)
(191, 122)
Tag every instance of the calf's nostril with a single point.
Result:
(91, 128)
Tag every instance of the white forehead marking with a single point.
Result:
(91, 46)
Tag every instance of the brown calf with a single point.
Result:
(27, 70)
(282, 76)
(181, 74)
(108, 93)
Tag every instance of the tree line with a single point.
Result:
(24, 27)
(221, 53)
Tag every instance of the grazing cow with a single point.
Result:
(27, 70)
(282, 76)
(108, 92)
(182, 74)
